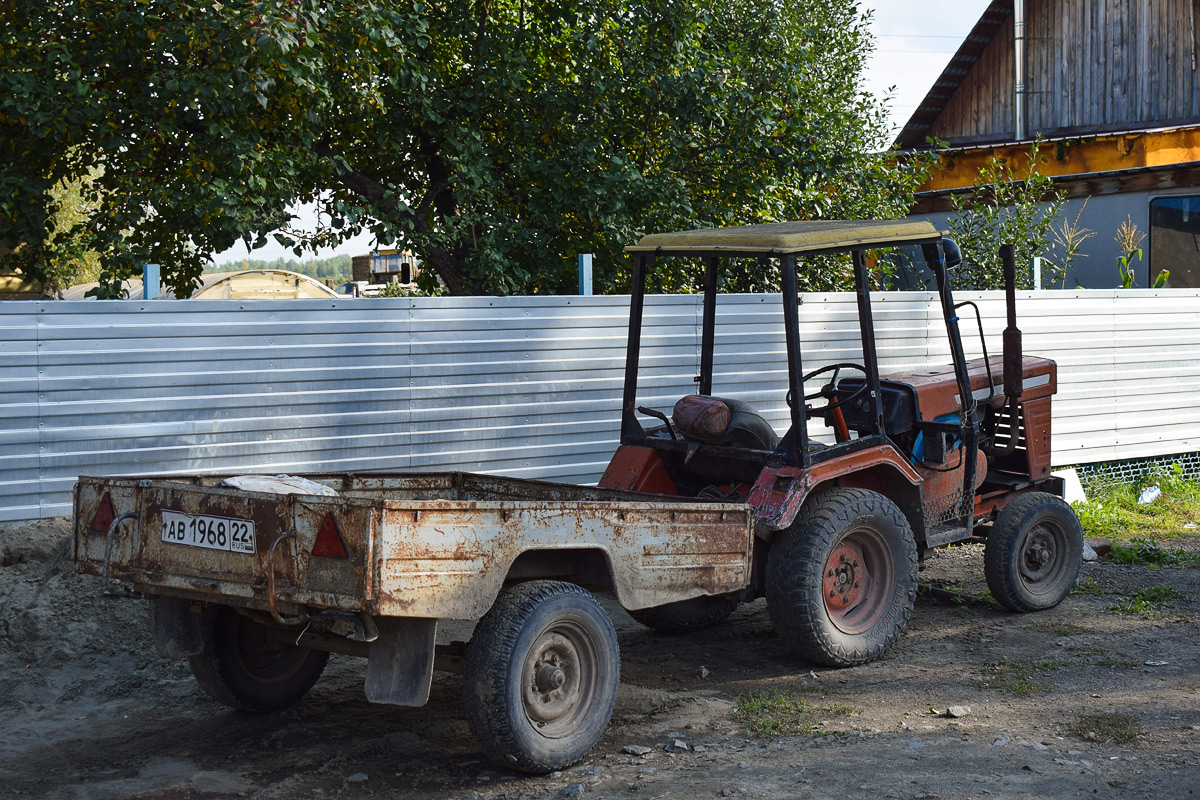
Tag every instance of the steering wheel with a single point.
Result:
(826, 391)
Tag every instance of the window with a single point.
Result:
(1175, 240)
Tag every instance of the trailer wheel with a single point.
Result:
(245, 668)
(842, 580)
(541, 674)
(689, 615)
(1033, 553)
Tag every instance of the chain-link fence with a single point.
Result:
(1134, 469)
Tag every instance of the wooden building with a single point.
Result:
(1113, 89)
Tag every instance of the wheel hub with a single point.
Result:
(549, 678)
(857, 581)
(552, 685)
(845, 577)
(260, 655)
(1038, 555)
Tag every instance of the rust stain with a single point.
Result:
(780, 491)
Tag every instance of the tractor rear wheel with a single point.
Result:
(1033, 553)
(842, 580)
(686, 616)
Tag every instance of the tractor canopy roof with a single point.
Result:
(782, 238)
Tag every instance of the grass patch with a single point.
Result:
(1088, 650)
(775, 713)
(1113, 511)
(1148, 600)
(781, 713)
(1116, 662)
(1098, 656)
(842, 710)
(1109, 727)
(1015, 677)
(1149, 553)
(951, 593)
(1058, 628)
(1089, 586)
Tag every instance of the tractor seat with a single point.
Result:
(731, 423)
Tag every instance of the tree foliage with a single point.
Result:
(494, 138)
(71, 260)
(1013, 206)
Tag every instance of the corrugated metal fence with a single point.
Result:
(524, 386)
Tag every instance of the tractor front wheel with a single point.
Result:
(842, 580)
(1033, 553)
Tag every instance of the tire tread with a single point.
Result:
(486, 672)
(215, 674)
(686, 616)
(997, 553)
(794, 575)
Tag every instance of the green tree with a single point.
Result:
(1017, 207)
(334, 267)
(494, 138)
(69, 259)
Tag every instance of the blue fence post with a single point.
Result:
(585, 273)
(151, 284)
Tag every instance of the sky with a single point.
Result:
(913, 43)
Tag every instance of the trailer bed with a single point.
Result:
(431, 545)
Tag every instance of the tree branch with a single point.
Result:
(447, 266)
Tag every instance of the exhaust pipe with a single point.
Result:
(1013, 359)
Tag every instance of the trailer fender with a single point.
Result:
(400, 661)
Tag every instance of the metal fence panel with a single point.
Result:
(20, 489)
(524, 386)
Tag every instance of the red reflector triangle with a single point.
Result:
(104, 515)
(329, 542)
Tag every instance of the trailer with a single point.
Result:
(256, 580)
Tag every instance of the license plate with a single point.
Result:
(215, 533)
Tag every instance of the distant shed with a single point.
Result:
(254, 284)
(16, 286)
(263, 284)
(1112, 87)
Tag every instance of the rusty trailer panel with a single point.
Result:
(435, 546)
(139, 555)
(448, 560)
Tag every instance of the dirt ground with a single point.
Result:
(88, 710)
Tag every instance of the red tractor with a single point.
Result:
(920, 459)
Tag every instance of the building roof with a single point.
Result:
(781, 238)
(1087, 69)
(993, 19)
(263, 284)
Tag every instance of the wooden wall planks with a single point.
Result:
(1091, 64)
